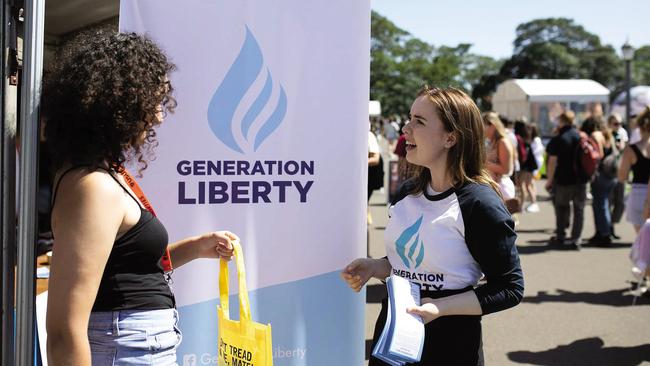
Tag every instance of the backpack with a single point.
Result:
(530, 164)
(376, 175)
(522, 153)
(587, 157)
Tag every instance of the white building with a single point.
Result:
(542, 100)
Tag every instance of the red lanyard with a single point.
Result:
(166, 259)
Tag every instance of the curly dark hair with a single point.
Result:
(101, 97)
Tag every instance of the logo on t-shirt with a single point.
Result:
(409, 247)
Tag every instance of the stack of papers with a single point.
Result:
(402, 339)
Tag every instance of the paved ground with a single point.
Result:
(577, 309)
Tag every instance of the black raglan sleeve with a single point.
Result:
(403, 191)
(490, 237)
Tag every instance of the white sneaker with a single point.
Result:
(533, 207)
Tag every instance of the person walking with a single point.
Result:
(636, 158)
(537, 147)
(564, 183)
(528, 167)
(603, 181)
(617, 196)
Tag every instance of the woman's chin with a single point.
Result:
(411, 158)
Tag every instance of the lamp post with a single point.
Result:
(628, 55)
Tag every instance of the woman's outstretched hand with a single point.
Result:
(357, 273)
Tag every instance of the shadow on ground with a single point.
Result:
(588, 351)
(615, 245)
(541, 246)
(618, 298)
(533, 249)
(535, 231)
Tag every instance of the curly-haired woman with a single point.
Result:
(109, 301)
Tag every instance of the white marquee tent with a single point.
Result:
(540, 100)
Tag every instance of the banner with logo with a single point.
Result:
(269, 141)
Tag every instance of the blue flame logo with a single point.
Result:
(407, 247)
(226, 99)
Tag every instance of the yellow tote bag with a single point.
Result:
(242, 342)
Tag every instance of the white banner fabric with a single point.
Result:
(268, 141)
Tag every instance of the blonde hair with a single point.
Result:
(466, 160)
(567, 117)
(493, 119)
(643, 120)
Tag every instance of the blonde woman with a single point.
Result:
(500, 155)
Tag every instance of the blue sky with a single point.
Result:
(490, 25)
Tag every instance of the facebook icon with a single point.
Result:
(189, 360)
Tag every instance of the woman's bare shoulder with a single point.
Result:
(505, 142)
(81, 183)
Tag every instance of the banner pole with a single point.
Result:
(29, 137)
(3, 54)
(8, 178)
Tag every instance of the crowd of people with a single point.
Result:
(517, 157)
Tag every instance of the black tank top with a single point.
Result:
(133, 277)
(640, 169)
(607, 151)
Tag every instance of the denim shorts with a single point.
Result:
(634, 205)
(134, 337)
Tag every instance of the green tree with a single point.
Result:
(401, 64)
(555, 48)
(641, 66)
(558, 48)
(387, 83)
(447, 66)
(475, 67)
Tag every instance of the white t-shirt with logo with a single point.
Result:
(448, 240)
(425, 242)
